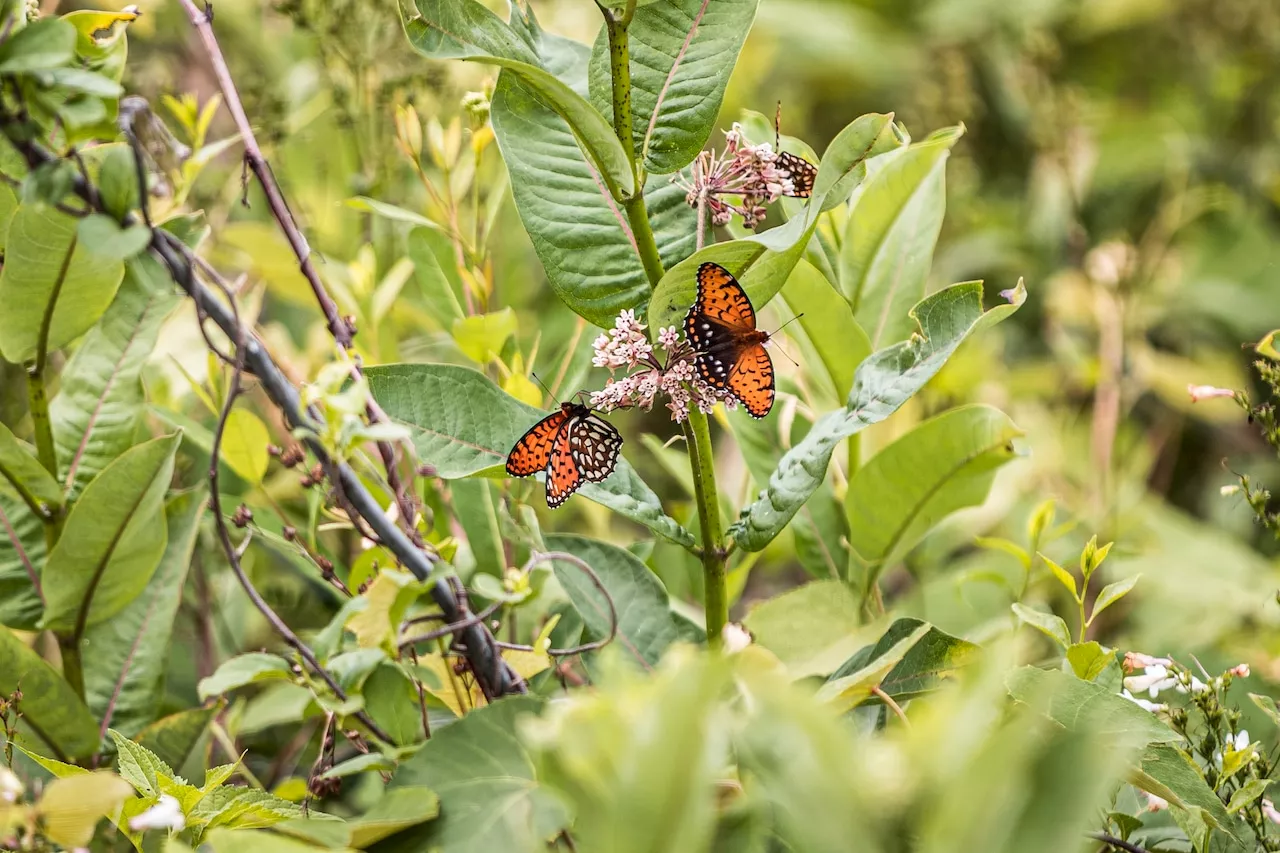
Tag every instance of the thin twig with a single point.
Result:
(474, 619)
(893, 706)
(543, 557)
(1118, 843)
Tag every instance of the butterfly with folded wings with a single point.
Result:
(729, 351)
(803, 174)
(572, 446)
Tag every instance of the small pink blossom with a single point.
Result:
(1134, 661)
(1269, 811)
(669, 337)
(747, 172)
(1207, 392)
(1156, 804)
(1240, 670)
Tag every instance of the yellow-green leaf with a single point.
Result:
(244, 445)
(72, 806)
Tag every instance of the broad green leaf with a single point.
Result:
(464, 29)
(462, 423)
(392, 700)
(50, 708)
(580, 233)
(172, 738)
(396, 810)
(844, 163)
(139, 766)
(646, 626)
(1089, 660)
(19, 465)
(1046, 623)
(8, 207)
(71, 807)
(244, 669)
(827, 320)
(477, 766)
(126, 657)
(40, 45)
(889, 239)
(244, 445)
(45, 263)
(934, 658)
(113, 539)
(100, 404)
(1111, 593)
(118, 181)
(834, 630)
(1086, 706)
(221, 839)
(481, 336)
(944, 464)
(761, 263)
(682, 53)
(846, 692)
(22, 553)
(1179, 781)
(882, 383)
(104, 237)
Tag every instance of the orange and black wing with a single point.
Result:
(752, 380)
(803, 174)
(720, 300)
(563, 475)
(533, 451)
(594, 444)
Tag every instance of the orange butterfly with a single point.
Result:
(729, 349)
(573, 446)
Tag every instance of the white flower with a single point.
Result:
(1208, 392)
(10, 786)
(1134, 661)
(1143, 703)
(1154, 679)
(669, 337)
(734, 637)
(165, 814)
(1156, 804)
(1269, 810)
(1241, 741)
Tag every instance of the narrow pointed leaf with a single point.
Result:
(1046, 623)
(25, 474)
(55, 719)
(1111, 593)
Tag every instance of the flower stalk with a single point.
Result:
(697, 432)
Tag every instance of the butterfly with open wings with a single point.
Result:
(573, 446)
(729, 351)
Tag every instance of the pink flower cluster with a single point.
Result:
(625, 347)
(750, 172)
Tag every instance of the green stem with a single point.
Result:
(714, 556)
(697, 432)
(72, 669)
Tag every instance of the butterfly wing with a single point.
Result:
(721, 300)
(563, 476)
(803, 174)
(752, 380)
(594, 445)
(533, 451)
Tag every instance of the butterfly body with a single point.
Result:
(729, 349)
(572, 446)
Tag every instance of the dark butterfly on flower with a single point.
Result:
(730, 353)
(573, 446)
(803, 174)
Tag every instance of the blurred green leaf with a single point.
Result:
(22, 557)
(71, 807)
(395, 810)
(478, 766)
(882, 383)
(833, 632)
(1268, 706)
(944, 464)
(392, 212)
(377, 623)
(1089, 660)
(432, 266)
(846, 692)
(126, 656)
(462, 423)
(1046, 623)
(44, 263)
(682, 53)
(1111, 593)
(113, 539)
(104, 237)
(889, 239)
(172, 738)
(244, 669)
(392, 700)
(52, 709)
(474, 504)
(46, 43)
(118, 181)
(1173, 776)
(244, 445)
(932, 659)
(481, 336)
(99, 405)
(582, 236)
(646, 626)
(1087, 707)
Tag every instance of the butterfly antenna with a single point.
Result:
(777, 128)
(779, 329)
(550, 393)
(788, 323)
